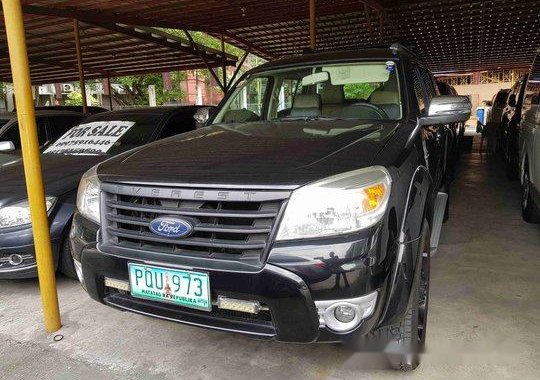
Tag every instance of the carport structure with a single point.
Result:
(450, 36)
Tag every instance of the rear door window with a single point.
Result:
(60, 124)
(12, 133)
(179, 123)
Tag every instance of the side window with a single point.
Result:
(429, 83)
(178, 123)
(42, 123)
(246, 104)
(12, 134)
(60, 124)
(419, 90)
(286, 94)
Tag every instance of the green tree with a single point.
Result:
(359, 90)
(74, 98)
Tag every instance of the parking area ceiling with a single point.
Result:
(450, 35)
(108, 50)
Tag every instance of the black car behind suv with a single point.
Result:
(64, 161)
(303, 212)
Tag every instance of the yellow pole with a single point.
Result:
(312, 25)
(82, 82)
(32, 164)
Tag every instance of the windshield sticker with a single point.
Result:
(90, 138)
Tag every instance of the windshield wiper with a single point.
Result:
(308, 118)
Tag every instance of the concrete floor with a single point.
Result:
(483, 324)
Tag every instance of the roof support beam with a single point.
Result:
(224, 67)
(240, 64)
(312, 25)
(207, 64)
(77, 34)
(97, 18)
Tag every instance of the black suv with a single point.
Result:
(304, 211)
(510, 121)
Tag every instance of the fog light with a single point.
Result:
(15, 259)
(344, 313)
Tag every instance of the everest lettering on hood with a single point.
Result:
(90, 138)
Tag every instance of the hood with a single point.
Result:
(289, 154)
(8, 158)
(61, 174)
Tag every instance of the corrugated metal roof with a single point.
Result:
(108, 49)
(450, 35)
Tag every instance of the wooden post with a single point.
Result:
(76, 31)
(312, 25)
(109, 89)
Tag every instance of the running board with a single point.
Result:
(440, 206)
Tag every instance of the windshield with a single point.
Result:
(335, 91)
(109, 135)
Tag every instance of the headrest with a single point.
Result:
(332, 94)
(306, 105)
(384, 97)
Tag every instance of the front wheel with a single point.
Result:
(404, 340)
(67, 266)
(413, 326)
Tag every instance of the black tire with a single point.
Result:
(67, 267)
(529, 210)
(405, 339)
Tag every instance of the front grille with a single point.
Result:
(227, 224)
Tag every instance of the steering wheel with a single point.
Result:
(371, 108)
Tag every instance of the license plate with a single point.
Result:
(179, 287)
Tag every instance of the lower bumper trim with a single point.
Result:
(125, 302)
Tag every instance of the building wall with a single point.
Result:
(481, 92)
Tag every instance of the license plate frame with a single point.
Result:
(135, 289)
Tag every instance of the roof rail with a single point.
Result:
(401, 48)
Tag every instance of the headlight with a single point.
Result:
(336, 205)
(18, 214)
(88, 195)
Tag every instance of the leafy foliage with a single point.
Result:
(359, 90)
(74, 98)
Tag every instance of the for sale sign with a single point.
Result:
(90, 138)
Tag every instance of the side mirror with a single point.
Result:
(202, 115)
(512, 100)
(6, 146)
(447, 109)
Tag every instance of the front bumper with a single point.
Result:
(290, 299)
(22, 249)
(20, 241)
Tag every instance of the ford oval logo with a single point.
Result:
(170, 226)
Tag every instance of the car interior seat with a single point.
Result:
(333, 99)
(388, 101)
(306, 105)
